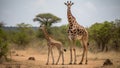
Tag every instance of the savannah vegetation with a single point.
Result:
(103, 36)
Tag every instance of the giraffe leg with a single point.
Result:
(82, 42)
(86, 51)
(74, 55)
(48, 55)
(52, 57)
(82, 57)
(83, 52)
(70, 56)
(86, 55)
(58, 57)
(71, 44)
(74, 52)
(62, 58)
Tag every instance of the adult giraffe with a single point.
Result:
(76, 32)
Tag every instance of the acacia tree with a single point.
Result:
(101, 34)
(47, 19)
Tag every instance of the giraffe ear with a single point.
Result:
(72, 3)
(65, 3)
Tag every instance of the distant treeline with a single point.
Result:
(7, 28)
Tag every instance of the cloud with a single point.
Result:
(39, 2)
(90, 5)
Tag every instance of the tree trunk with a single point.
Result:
(116, 45)
(103, 47)
(106, 48)
(99, 47)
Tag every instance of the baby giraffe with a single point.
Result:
(52, 43)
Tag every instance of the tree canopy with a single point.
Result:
(23, 35)
(102, 33)
(47, 18)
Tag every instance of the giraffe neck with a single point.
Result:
(46, 34)
(71, 18)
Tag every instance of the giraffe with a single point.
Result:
(52, 43)
(76, 32)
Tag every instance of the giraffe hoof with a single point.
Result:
(56, 64)
(80, 63)
(62, 63)
(52, 63)
(70, 63)
(46, 63)
(75, 63)
(86, 63)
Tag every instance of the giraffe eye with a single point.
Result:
(69, 17)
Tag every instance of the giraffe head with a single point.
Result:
(69, 4)
(42, 26)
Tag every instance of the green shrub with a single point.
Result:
(3, 45)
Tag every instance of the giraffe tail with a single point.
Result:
(88, 44)
(64, 50)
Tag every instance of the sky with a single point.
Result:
(86, 12)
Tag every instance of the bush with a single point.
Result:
(3, 45)
(23, 35)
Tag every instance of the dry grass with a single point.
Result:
(94, 60)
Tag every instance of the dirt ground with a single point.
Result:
(95, 60)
